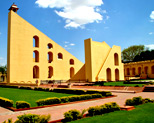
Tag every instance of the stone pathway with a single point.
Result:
(57, 112)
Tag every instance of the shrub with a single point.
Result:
(72, 115)
(73, 98)
(147, 100)
(8, 121)
(6, 102)
(137, 100)
(48, 101)
(27, 88)
(108, 107)
(22, 104)
(129, 102)
(8, 86)
(41, 89)
(64, 99)
(96, 96)
(69, 91)
(33, 118)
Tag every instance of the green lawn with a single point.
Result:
(121, 84)
(28, 95)
(142, 114)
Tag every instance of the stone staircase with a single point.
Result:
(149, 88)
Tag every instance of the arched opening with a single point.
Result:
(71, 72)
(152, 69)
(116, 74)
(71, 61)
(128, 72)
(146, 70)
(108, 74)
(36, 56)
(35, 41)
(50, 57)
(116, 59)
(60, 56)
(35, 72)
(50, 72)
(50, 46)
(139, 70)
(133, 71)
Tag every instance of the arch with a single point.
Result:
(36, 56)
(152, 69)
(139, 70)
(133, 71)
(50, 57)
(116, 59)
(128, 71)
(116, 75)
(71, 61)
(72, 71)
(50, 46)
(35, 41)
(50, 72)
(108, 74)
(146, 70)
(35, 72)
(60, 56)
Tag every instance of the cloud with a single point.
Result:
(152, 15)
(66, 42)
(77, 13)
(150, 46)
(151, 33)
(72, 44)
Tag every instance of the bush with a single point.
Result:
(96, 96)
(8, 86)
(27, 88)
(22, 104)
(108, 107)
(8, 121)
(41, 89)
(64, 99)
(6, 102)
(69, 91)
(48, 101)
(137, 100)
(72, 115)
(33, 118)
(129, 102)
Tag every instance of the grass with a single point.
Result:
(142, 114)
(121, 84)
(28, 95)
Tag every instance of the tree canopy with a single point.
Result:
(3, 69)
(129, 53)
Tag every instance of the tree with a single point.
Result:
(3, 69)
(129, 53)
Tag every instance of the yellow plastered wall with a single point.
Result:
(134, 67)
(98, 57)
(20, 54)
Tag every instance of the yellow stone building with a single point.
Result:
(142, 69)
(32, 57)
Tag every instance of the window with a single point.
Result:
(50, 57)
(35, 41)
(50, 46)
(50, 72)
(71, 61)
(152, 70)
(139, 70)
(116, 74)
(35, 72)
(71, 72)
(116, 59)
(36, 56)
(146, 70)
(108, 74)
(133, 71)
(128, 72)
(60, 56)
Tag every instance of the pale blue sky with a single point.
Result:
(69, 22)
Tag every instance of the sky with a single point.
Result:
(69, 22)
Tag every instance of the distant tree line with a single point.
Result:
(137, 53)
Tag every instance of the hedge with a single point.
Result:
(106, 108)
(69, 91)
(41, 89)
(22, 104)
(55, 100)
(8, 86)
(27, 88)
(137, 101)
(6, 102)
(32, 118)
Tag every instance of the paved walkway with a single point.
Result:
(57, 112)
